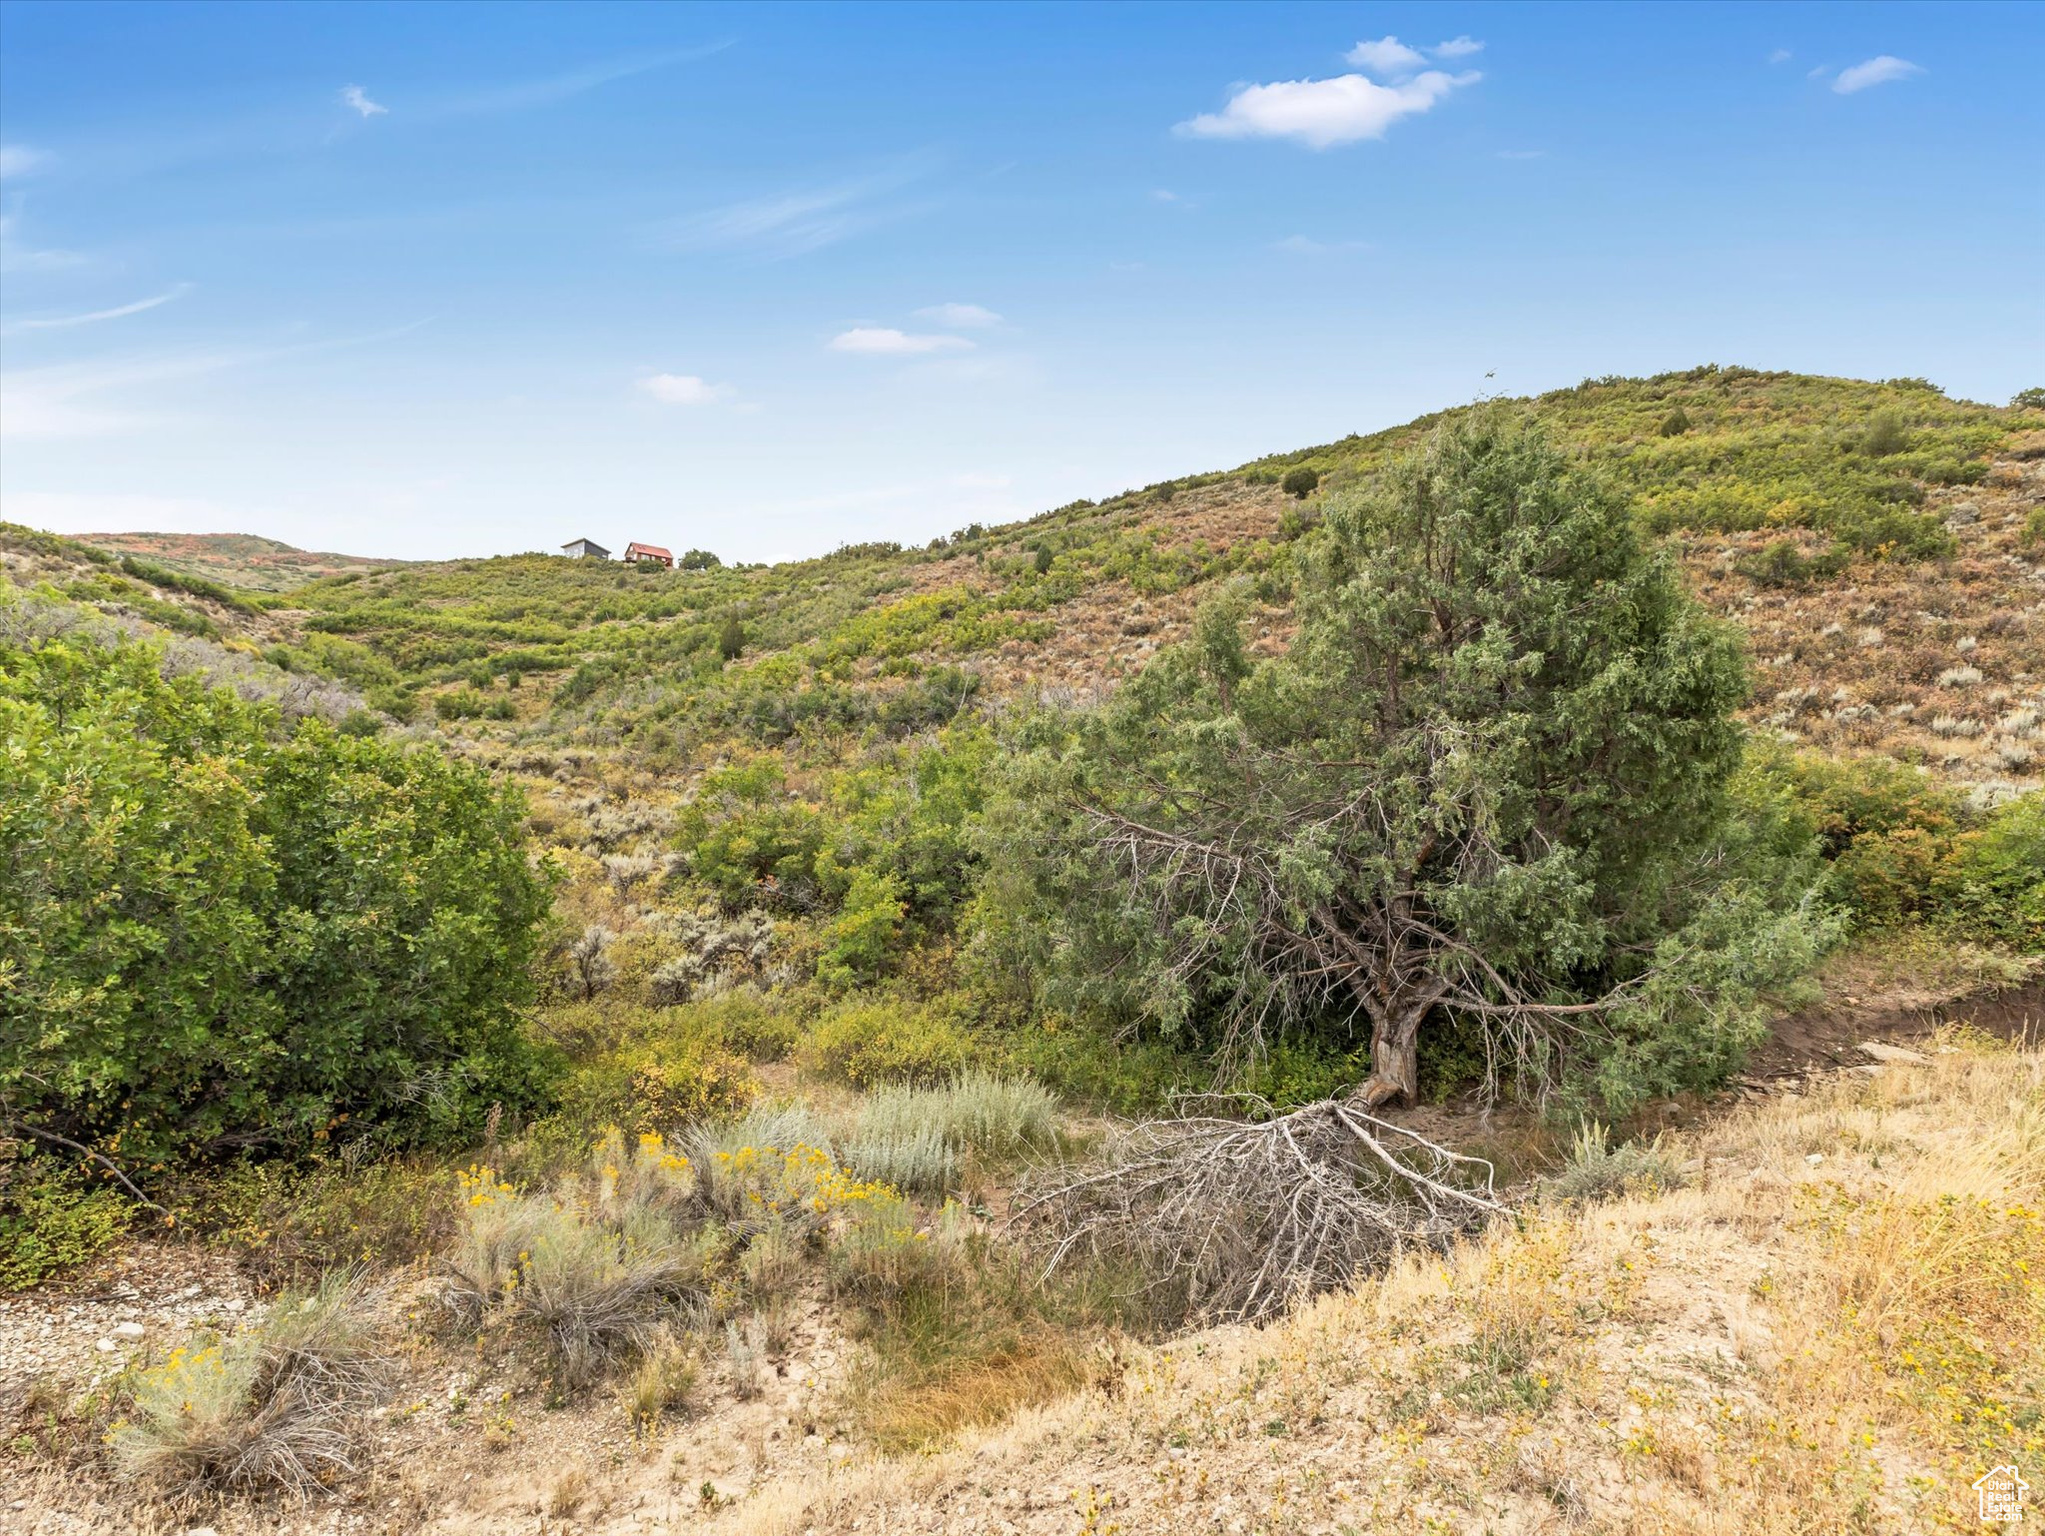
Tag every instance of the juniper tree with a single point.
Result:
(1483, 788)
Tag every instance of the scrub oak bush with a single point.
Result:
(1902, 846)
(53, 1218)
(215, 934)
(868, 1042)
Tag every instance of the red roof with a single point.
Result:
(636, 548)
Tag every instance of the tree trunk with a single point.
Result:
(1395, 1051)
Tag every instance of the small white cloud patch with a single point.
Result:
(354, 96)
(885, 341)
(1457, 48)
(683, 389)
(1879, 70)
(1323, 113)
(960, 316)
(1387, 56)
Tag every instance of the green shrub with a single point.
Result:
(1300, 483)
(1781, 563)
(731, 638)
(2034, 528)
(866, 1043)
(1887, 431)
(649, 1070)
(1127, 1076)
(1894, 533)
(470, 703)
(915, 1137)
(1675, 424)
(289, 1222)
(1596, 1170)
(2028, 400)
(216, 934)
(859, 940)
(759, 1025)
(1995, 885)
(53, 1219)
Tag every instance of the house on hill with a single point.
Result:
(635, 551)
(586, 549)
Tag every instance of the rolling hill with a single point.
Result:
(240, 559)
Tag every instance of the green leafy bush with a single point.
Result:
(866, 1043)
(289, 1221)
(1300, 483)
(1995, 885)
(1780, 563)
(658, 1069)
(53, 1218)
(868, 925)
(216, 935)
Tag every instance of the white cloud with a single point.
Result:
(1323, 113)
(1780, 56)
(884, 341)
(1457, 48)
(1876, 71)
(354, 96)
(1387, 56)
(963, 317)
(64, 322)
(683, 389)
(20, 160)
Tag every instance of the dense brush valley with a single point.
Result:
(1482, 977)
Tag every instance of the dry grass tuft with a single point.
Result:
(274, 1408)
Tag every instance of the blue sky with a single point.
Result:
(424, 281)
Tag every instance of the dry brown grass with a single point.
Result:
(1835, 1326)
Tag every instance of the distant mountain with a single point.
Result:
(238, 559)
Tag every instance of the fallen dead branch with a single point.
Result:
(1235, 1219)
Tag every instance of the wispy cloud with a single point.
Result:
(885, 341)
(16, 257)
(120, 312)
(21, 160)
(1323, 113)
(965, 317)
(354, 96)
(1879, 70)
(98, 398)
(539, 93)
(1303, 245)
(1457, 48)
(684, 389)
(795, 223)
(1780, 56)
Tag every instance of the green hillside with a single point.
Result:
(862, 638)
